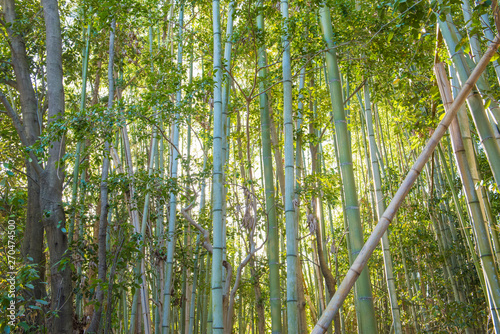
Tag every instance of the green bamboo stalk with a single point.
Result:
(302, 321)
(437, 224)
(240, 311)
(364, 300)
(185, 273)
(379, 196)
(453, 37)
(482, 239)
(461, 220)
(201, 208)
(218, 180)
(141, 266)
(187, 238)
(76, 180)
(492, 224)
(273, 234)
(206, 315)
(140, 269)
(226, 121)
(125, 311)
(202, 298)
(463, 122)
(475, 103)
(364, 175)
(382, 142)
(160, 233)
(166, 322)
(103, 219)
(79, 295)
(291, 228)
(81, 144)
(473, 38)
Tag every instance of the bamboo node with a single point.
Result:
(365, 298)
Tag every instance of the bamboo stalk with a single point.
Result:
(482, 238)
(103, 219)
(485, 22)
(479, 115)
(166, 322)
(291, 228)
(364, 298)
(218, 191)
(380, 208)
(273, 233)
(76, 180)
(226, 121)
(301, 301)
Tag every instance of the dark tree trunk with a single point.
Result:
(32, 244)
(51, 181)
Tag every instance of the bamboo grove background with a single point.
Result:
(196, 167)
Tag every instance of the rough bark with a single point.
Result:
(32, 244)
(52, 178)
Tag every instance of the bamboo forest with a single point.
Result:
(253, 166)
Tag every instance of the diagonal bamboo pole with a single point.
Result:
(397, 200)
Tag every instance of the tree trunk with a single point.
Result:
(52, 178)
(291, 226)
(32, 244)
(380, 208)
